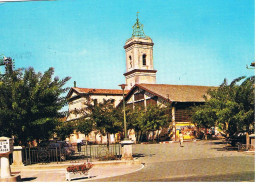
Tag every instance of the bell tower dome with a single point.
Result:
(139, 58)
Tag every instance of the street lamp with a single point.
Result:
(123, 88)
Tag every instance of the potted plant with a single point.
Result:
(78, 171)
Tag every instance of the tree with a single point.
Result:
(231, 106)
(153, 118)
(30, 104)
(64, 129)
(85, 126)
(103, 116)
(132, 120)
(204, 117)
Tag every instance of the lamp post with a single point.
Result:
(123, 88)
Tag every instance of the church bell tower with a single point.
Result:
(139, 58)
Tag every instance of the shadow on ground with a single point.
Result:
(81, 178)
(28, 179)
(226, 148)
(218, 142)
(138, 155)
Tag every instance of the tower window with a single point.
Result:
(144, 59)
(130, 61)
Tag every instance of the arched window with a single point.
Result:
(144, 59)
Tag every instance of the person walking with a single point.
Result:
(79, 142)
(181, 139)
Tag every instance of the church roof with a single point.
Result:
(176, 93)
(96, 91)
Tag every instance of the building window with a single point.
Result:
(183, 114)
(113, 102)
(95, 102)
(152, 101)
(144, 59)
(138, 96)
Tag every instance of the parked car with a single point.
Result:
(64, 150)
(237, 138)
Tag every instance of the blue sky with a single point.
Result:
(196, 42)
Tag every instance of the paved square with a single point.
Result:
(196, 161)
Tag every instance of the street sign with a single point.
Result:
(6, 145)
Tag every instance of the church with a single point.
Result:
(141, 90)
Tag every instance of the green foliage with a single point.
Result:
(204, 116)
(107, 119)
(132, 116)
(153, 118)
(104, 116)
(85, 126)
(30, 104)
(64, 129)
(231, 106)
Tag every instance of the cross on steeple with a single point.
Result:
(138, 28)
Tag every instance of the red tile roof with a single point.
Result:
(178, 93)
(99, 91)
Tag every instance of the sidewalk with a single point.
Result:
(56, 172)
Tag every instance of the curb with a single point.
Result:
(167, 142)
(64, 166)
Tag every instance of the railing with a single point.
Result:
(99, 151)
(43, 155)
(88, 152)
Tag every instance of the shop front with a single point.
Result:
(187, 129)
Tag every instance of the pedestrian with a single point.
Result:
(79, 142)
(181, 139)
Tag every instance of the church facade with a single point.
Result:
(78, 97)
(141, 89)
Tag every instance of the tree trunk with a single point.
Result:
(95, 138)
(158, 135)
(205, 134)
(247, 141)
(136, 136)
(108, 140)
(198, 132)
(140, 136)
(226, 129)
